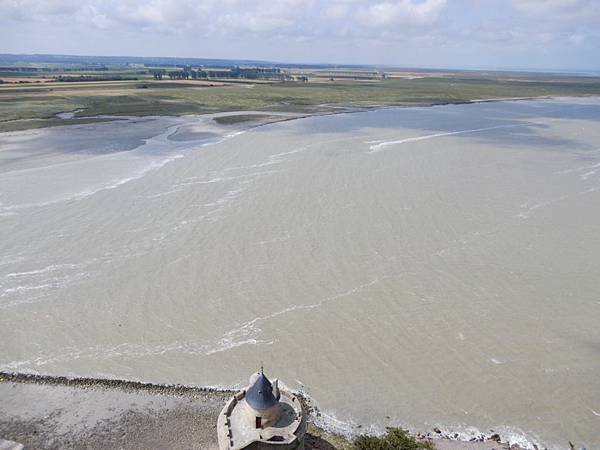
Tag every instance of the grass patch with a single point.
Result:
(394, 439)
(239, 118)
(20, 125)
(165, 98)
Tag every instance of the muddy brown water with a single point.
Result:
(423, 267)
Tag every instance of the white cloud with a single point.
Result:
(546, 7)
(337, 10)
(559, 13)
(89, 14)
(400, 12)
(577, 39)
(243, 15)
(316, 29)
(259, 15)
(37, 10)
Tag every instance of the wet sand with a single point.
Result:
(69, 417)
(47, 413)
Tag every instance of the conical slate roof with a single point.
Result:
(260, 394)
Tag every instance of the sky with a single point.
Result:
(471, 34)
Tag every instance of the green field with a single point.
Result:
(149, 97)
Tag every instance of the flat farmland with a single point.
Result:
(20, 103)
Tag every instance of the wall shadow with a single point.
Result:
(312, 442)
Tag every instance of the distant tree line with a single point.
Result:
(53, 69)
(251, 73)
(20, 81)
(21, 69)
(80, 78)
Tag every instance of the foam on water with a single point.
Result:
(351, 428)
(383, 144)
(80, 194)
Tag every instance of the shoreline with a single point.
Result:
(64, 118)
(89, 391)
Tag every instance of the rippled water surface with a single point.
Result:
(421, 266)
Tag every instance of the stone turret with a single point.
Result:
(262, 400)
(262, 416)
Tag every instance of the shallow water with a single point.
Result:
(420, 266)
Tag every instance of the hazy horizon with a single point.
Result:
(533, 35)
(541, 70)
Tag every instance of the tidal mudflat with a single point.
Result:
(422, 267)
